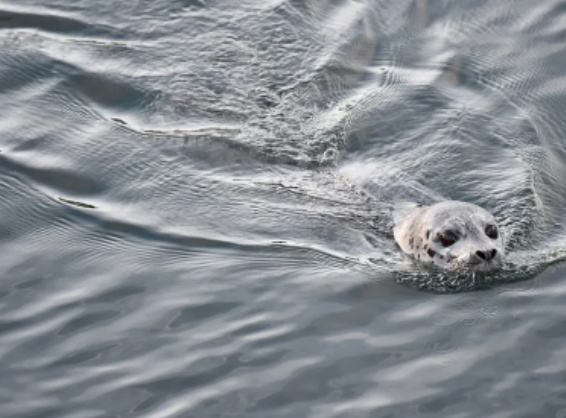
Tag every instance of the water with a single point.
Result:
(196, 200)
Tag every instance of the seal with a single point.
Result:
(451, 235)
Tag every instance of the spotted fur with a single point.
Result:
(473, 250)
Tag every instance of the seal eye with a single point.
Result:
(491, 231)
(447, 238)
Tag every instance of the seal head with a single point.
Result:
(451, 235)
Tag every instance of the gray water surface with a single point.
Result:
(196, 205)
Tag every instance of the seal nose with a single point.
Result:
(487, 255)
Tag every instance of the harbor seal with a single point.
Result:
(451, 235)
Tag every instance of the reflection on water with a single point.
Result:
(197, 205)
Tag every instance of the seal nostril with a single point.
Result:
(487, 255)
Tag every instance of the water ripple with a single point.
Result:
(197, 205)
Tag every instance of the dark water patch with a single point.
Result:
(26, 71)
(117, 294)
(198, 313)
(189, 381)
(555, 331)
(29, 283)
(82, 357)
(107, 92)
(68, 181)
(86, 321)
(49, 23)
(194, 4)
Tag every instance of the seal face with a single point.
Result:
(452, 235)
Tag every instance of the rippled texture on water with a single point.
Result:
(196, 205)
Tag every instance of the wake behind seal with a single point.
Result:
(451, 235)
